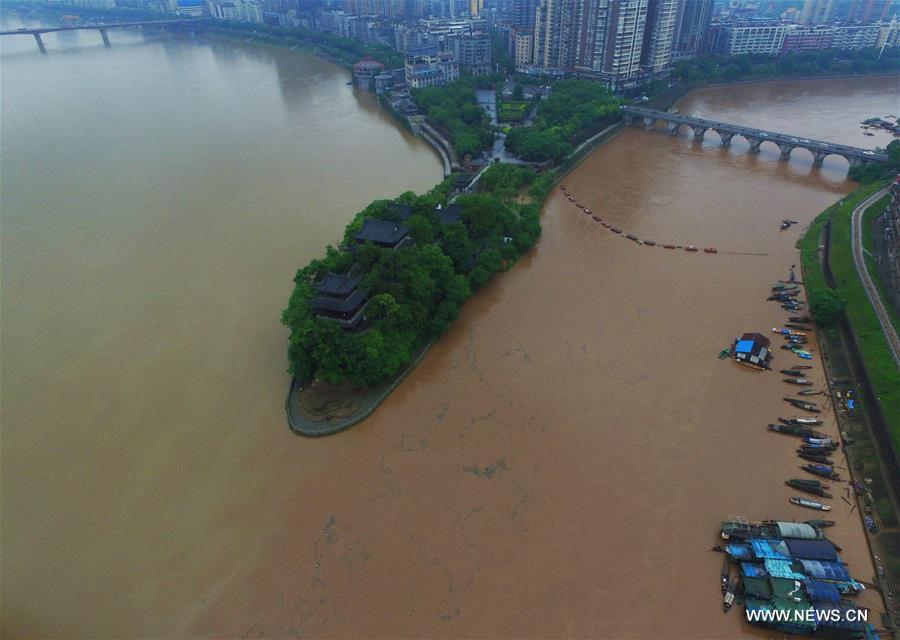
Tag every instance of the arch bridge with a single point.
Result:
(786, 142)
(102, 28)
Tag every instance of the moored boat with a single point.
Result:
(821, 470)
(801, 381)
(810, 392)
(820, 524)
(725, 574)
(793, 372)
(794, 430)
(802, 421)
(815, 457)
(802, 404)
(816, 491)
(810, 504)
(730, 593)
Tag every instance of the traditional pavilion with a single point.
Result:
(449, 214)
(752, 349)
(341, 299)
(388, 235)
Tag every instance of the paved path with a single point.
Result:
(881, 312)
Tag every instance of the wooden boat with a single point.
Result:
(782, 286)
(730, 593)
(820, 524)
(806, 319)
(649, 243)
(817, 458)
(631, 237)
(821, 470)
(792, 372)
(810, 504)
(725, 575)
(668, 246)
(710, 250)
(820, 448)
(794, 430)
(690, 247)
(803, 421)
(802, 366)
(615, 230)
(810, 482)
(800, 404)
(571, 199)
(588, 211)
(597, 218)
(806, 488)
(810, 392)
(801, 381)
(605, 225)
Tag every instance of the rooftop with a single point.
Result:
(337, 285)
(381, 232)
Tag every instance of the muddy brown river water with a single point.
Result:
(556, 466)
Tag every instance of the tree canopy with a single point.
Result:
(573, 107)
(801, 63)
(454, 109)
(416, 291)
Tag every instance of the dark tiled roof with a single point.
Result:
(337, 285)
(403, 211)
(340, 305)
(449, 214)
(381, 232)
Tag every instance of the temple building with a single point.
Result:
(341, 299)
(388, 235)
(449, 214)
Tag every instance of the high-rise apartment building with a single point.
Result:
(816, 11)
(659, 34)
(523, 13)
(691, 26)
(554, 34)
(869, 10)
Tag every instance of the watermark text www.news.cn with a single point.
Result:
(815, 616)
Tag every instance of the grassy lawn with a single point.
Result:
(882, 370)
(512, 110)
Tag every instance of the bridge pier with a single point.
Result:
(818, 158)
(672, 128)
(726, 137)
(628, 120)
(104, 36)
(649, 123)
(699, 132)
(785, 150)
(855, 162)
(40, 42)
(754, 143)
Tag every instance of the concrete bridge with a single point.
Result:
(102, 28)
(785, 142)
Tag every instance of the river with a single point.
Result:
(556, 466)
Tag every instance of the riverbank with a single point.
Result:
(867, 438)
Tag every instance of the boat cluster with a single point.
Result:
(881, 123)
(647, 243)
(779, 570)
